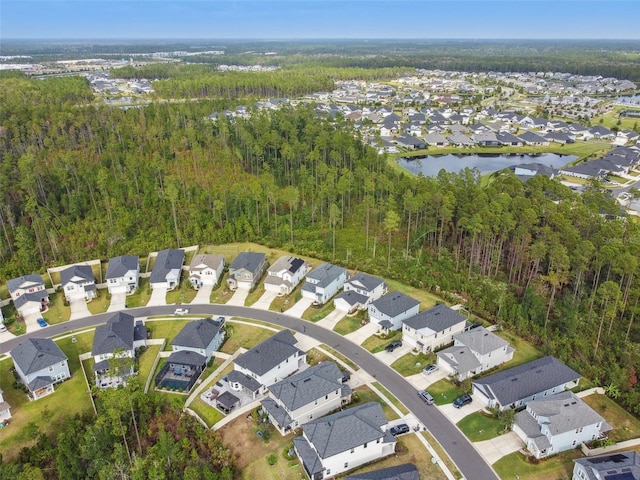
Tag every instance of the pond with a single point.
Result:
(430, 165)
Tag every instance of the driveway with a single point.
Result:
(496, 448)
(300, 306)
(330, 320)
(158, 297)
(30, 322)
(203, 295)
(118, 302)
(79, 308)
(6, 336)
(422, 381)
(359, 336)
(238, 297)
(456, 414)
(389, 357)
(265, 300)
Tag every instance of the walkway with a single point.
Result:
(359, 336)
(330, 321)
(118, 302)
(79, 308)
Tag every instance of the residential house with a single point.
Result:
(433, 328)
(40, 364)
(309, 394)
(246, 270)
(269, 362)
(435, 140)
(531, 138)
(29, 294)
(390, 310)
(123, 274)
(205, 269)
(181, 370)
(78, 282)
(610, 466)
(344, 440)
(167, 269)
(559, 137)
(509, 139)
(406, 471)
(517, 386)
(460, 140)
(285, 274)
(486, 139)
(410, 142)
(323, 283)
(558, 423)
(359, 291)
(203, 336)
(602, 133)
(113, 350)
(5, 409)
(473, 352)
(525, 171)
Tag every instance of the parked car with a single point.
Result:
(42, 322)
(462, 400)
(430, 369)
(399, 429)
(393, 345)
(181, 311)
(345, 377)
(426, 396)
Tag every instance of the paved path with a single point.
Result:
(264, 302)
(203, 295)
(299, 307)
(158, 297)
(496, 448)
(239, 297)
(332, 319)
(359, 336)
(118, 302)
(79, 308)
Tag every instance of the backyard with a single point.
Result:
(625, 426)
(240, 335)
(557, 467)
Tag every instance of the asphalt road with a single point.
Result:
(464, 455)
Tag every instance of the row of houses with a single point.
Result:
(617, 162)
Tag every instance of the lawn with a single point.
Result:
(101, 303)
(254, 295)
(280, 304)
(145, 362)
(442, 454)
(184, 294)
(315, 356)
(377, 343)
(524, 351)
(315, 314)
(557, 467)
(410, 364)
(9, 315)
(48, 413)
(206, 412)
(426, 299)
(444, 391)
(221, 293)
(625, 426)
(57, 312)
(142, 295)
(245, 336)
(479, 426)
(344, 359)
(166, 329)
(391, 398)
(347, 325)
(364, 394)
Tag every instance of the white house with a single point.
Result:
(5, 409)
(40, 365)
(610, 466)
(285, 274)
(268, 362)
(390, 310)
(167, 269)
(309, 394)
(29, 294)
(517, 386)
(474, 352)
(323, 283)
(123, 274)
(433, 328)
(205, 269)
(344, 440)
(359, 292)
(558, 423)
(203, 336)
(78, 282)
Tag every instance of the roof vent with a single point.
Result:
(514, 379)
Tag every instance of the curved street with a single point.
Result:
(459, 449)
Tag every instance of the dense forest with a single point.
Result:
(81, 181)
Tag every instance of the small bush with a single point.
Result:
(272, 459)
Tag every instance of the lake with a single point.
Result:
(430, 165)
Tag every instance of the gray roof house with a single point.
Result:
(271, 360)
(28, 294)
(610, 466)
(344, 440)
(309, 394)
(359, 291)
(167, 269)
(557, 423)
(246, 270)
(531, 138)
(123, 274)
(406, 471)
(78, 282)
(205, 269)
(285, 274)
(517, 386)
(323, 282)
(390, 310)
(40, 364)
(432, 328)
(203, 336)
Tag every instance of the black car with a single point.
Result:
(399, 429)
(462, 400)
(393, 345)
(345, 377)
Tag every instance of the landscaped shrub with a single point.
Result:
(272, 459)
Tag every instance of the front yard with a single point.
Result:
(444, 391)
(240, 335)
(479, 426)
(183, 294)
(57, 312)
(410, 364)
(347, 325)
(315, 314)
(377, 343)
(142, 295)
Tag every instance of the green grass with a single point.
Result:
(207, 413)
(315, 314)
(444, 391)
(254, 295)
(364, 394)
(524, 351)
(245, 336)
(280, 304)
(347, 325)
(167, 329)
(426, 299)
(344, 359)
(142, 295)
(479, 426)
(377, 343)
(4, 291)
(183, 294)
(391, 398)
(625, 426)
(101, 303)
(145, 362)
(410, 364)
(315, 356)
(221, 292)
(442, 454)
(57, 312)
(557, 467)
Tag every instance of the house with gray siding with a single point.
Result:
(40, 365)
(247, 270)
(167, 269)
(392, 309)
(432, 328)
(203, 336)
(323, 282)
(78, 282)
(359, 292)
(5, 409)
(123, 274)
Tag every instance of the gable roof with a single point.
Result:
(77, 274)
(288, 263)
(166, 261)
(116, 334)
(25, 281)
(481, 340)
(206, 260)
(364, 281)
(527, 379)
(395, 303)
(270, 353)
(119, 266)
(35, 354)
(309, 385)
(460, 357)
(325, 274)
(532, 137)
(250, 261)
(406, 471)
(198, 334)
(436, 319)
(187, 357)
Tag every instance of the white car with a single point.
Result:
(181, 311)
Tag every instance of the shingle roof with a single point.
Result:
(532, 137)
(309, 385)
(116, 334)
(166, 261)
(24, 281)
(406, 471)
(76, 274)
(202, 261)
(525, 380)
(266, 355)
(279, 414)
(352, 298)
(198, 334)
(481, 340)
(310, 459)
(346, 429)
(119, 266)
(187, 357)
(35, 354)
(460, 357)
(246, 381)
(364, 281)
(393, 304)
(325, 274)
(436, 319)
(287, 262)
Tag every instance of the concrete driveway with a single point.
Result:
(496, 448)
(238, 297)
(6, 336)
(456, 414)
(158, 297)
(390, 357)
(359, 336)
(299, 307)
(30, 322)
(330, 320)
(203, 295)
(265, 300)
(422, 381)
(118, 302)
(79, 308)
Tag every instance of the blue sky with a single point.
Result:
(286, 19)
